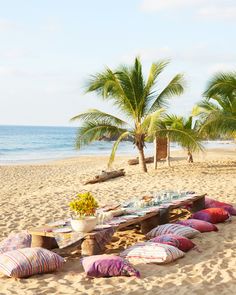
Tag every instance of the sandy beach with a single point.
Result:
(34, 194)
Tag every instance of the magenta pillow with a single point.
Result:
(107, 266)
(211, 203)
(15, 241)
(182, 243)
(213, 215)
(200, 225)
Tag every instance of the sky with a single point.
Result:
(49, 48)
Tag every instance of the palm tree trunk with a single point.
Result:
(142, 162)
(190, 157)
(168, 151)
(155, 152)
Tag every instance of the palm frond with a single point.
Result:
(113, 86)
(175, 87)
(152, 121)
(94, 130)
(149, 90)
(97, 115)
(223, 84)
(115, 146)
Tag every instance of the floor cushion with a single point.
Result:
(175, 229)
(182, 243)
(15, 241)
(200, 225)
(151, 252)
(108, 266)
(211, 203)
(213, 215)
(25, 262)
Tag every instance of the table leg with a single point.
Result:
(164, 215)
(90, 246)
(199, 204)
(43, 242)
(149, 224)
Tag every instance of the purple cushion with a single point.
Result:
(107, 266)
(15, 241)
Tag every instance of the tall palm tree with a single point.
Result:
(137, 98)
(182, 130)
(218, 109)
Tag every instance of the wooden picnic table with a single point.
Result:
(94, 242)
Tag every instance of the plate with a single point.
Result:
(129, 216)
(102, 226)
(62, 230)
(57, 223)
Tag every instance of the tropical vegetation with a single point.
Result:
(217, 110)
(184, 131)
(138, 99)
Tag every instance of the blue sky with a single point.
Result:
(49, 48)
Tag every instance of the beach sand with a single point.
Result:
(34, 194)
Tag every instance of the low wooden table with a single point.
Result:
(89, 241)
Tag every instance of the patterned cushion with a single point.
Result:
(213, 215)
(201, 225)
(29, 261)
(211, 203)
(150, 252)
(175, 229)
(182, 243)
(107, 266)
(15, 241)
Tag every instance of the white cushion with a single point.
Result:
(152, 253)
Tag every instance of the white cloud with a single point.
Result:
(224, 13)
(16, 53)
(199, 54)
(6, 25)
(209, 9)
(221, 67)
(158, 5)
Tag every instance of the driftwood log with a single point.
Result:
(136, 161)
(106, 175)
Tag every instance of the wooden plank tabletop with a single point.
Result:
(136, 220)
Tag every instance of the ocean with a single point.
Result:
(19, 144)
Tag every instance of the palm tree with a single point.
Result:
(182, 130)
(218, 109)
(135, 97)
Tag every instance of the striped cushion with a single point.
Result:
(29, 261)
(152, 253)
(175, 229)
(15, 241)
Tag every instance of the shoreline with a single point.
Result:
(131, 155)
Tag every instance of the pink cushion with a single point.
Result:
(107, 266)
(211, 203)
(213, 215)
(182, 243)
(15, 241)
(175, 229)
(200, 225)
